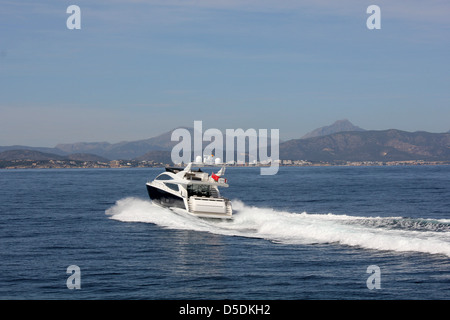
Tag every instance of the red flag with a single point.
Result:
(216, 178)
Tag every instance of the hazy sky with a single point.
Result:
(139, 68)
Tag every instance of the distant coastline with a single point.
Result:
(74, 164)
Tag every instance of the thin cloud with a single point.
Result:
(433, 11)
(414, 10)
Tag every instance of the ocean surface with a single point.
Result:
(305, 233)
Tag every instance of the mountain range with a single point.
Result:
(340, 141)
(371, 145)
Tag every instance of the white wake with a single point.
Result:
(380, 233)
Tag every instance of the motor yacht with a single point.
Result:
(194, 191)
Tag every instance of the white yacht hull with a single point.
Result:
(203, 207)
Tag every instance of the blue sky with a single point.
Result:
(140, 68)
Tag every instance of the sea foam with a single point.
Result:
(378, 233)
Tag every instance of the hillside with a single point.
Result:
(156, 156)
(39, 149)
(85, 157)
(29, 155)
(386, 145)
(11, 155)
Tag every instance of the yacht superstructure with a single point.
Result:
(195, 191)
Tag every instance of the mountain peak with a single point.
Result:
(338, 126)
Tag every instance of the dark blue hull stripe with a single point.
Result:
(164, 198)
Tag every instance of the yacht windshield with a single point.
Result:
(164, 177)
(199, 190)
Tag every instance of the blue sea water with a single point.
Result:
(305, 233)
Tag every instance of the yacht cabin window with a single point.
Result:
(172, 186)
(164, 177)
